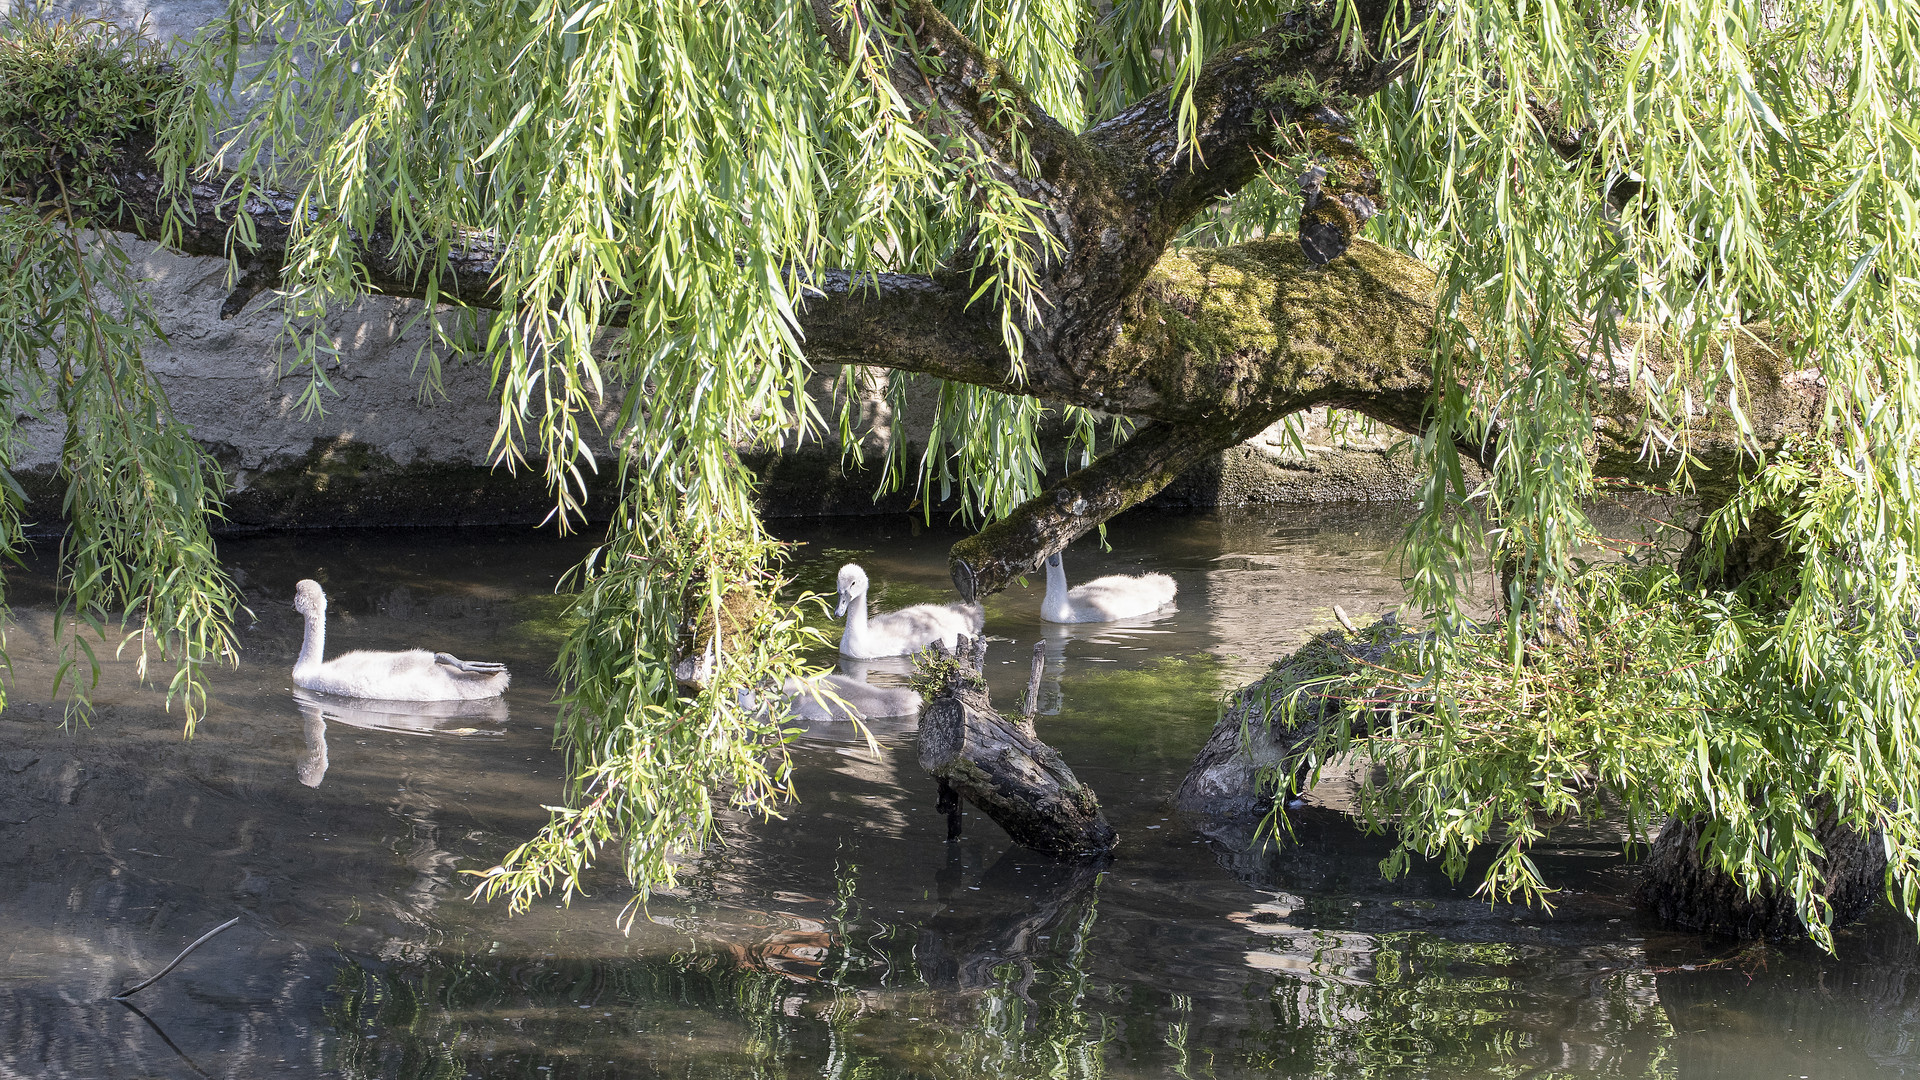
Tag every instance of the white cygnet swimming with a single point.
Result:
(859, 700)
(411, 675)
(1117, 596)
(898, 633)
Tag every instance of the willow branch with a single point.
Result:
(1295, 79)
(1120, 478)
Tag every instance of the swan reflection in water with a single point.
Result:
(485, 716)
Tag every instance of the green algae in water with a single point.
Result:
(1179, 691)
(1124, 716)
(545, 620)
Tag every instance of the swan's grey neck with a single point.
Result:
(856, 631)
(314, 646)
(1054, 606)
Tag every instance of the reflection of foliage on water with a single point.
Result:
(992, 990)
(1181, 693)
(749, 998)
(1410, 1003)
(1057, 1036)
(367, 1007)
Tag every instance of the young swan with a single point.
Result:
(859, 699)
(898, 633)
(1117, 596)
(413, 675)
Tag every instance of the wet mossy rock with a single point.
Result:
(1253, 759)
(1249, 760)
(344, 483)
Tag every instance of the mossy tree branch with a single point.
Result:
(1211, 345)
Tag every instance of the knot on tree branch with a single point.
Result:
(1340, 190)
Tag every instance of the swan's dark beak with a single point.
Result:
(842, 609)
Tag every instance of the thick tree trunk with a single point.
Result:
(1682, 889)
(1003, 768)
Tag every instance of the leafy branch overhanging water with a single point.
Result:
(1684, 206)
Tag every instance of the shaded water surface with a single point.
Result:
(849, 939)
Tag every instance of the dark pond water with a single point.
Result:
(849, 939)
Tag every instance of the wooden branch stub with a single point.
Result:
(1030, 705)
(1017, 780)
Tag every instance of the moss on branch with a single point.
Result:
(73, 94)
(1257, 327)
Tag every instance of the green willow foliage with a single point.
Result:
(73, 319)
(677, 170)
(661, 177)
(1741, 169)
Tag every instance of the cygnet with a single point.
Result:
(1116, 596)
(410, 675)
(898, 633)
(859, 700)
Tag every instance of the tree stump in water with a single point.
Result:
(1683, 889)
(1000, 766)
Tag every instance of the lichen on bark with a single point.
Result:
(1257, 325)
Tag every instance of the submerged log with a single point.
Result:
(1001, 766)
(1683, 889)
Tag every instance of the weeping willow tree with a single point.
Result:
(1559, 245)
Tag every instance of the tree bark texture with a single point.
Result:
(1683, 890)
(1002, 767)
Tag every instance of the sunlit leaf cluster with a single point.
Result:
(1758, 709)
(1728, 174)
(73, 321)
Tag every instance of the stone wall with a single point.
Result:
(385, 452)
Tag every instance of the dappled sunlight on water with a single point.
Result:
(849, 938)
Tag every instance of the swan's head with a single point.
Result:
(308, 599)
(1053, 559)
(853, 586)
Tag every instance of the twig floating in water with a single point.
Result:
(204, 938)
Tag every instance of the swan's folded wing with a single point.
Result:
(471, 667)
(974, 615)
(1121, 596)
